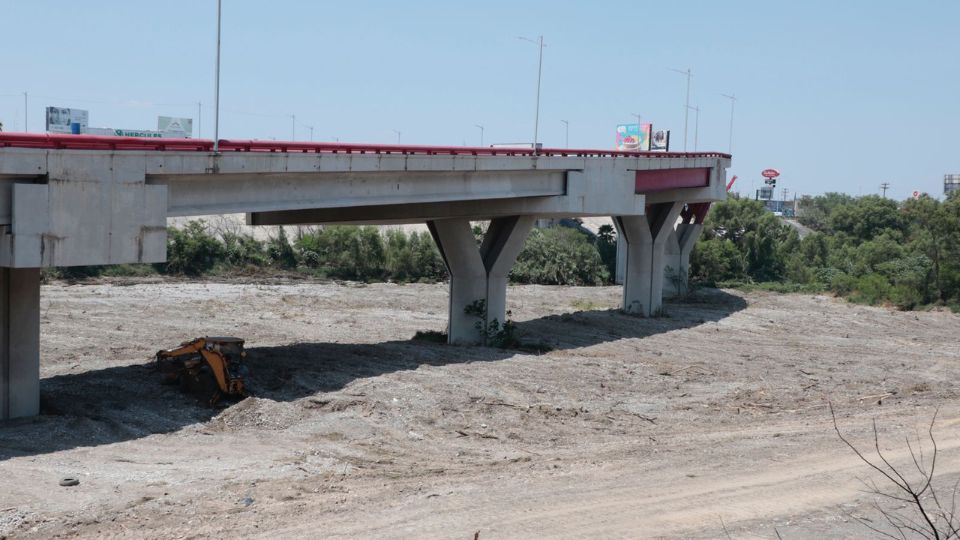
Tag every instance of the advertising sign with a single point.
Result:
(660, 141)
(175, 127)
(770, 173)
(62, 120)
(633, 137)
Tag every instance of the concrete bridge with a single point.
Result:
(70, 200)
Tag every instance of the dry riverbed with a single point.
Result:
(713, 417)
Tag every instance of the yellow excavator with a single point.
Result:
(207, 367)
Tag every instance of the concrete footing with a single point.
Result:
(19, 342)
(478, 276)
(646, 237)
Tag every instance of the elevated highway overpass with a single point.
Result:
(72, 200)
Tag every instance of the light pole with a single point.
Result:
(639, 123)
(26, 127)
(566, 134)
(311, 132)
(536, 117)
(199, 121)
(686, 110)
(733, 99)
(696, 129)
(216, 91)
(293, 127)
(481, 133)
(398, 135)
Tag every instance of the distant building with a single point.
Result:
(951, 183)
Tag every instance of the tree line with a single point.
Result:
(552, 256)
(869, 249)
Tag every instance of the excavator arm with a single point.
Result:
(194, 363)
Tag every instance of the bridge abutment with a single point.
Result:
(19, 342)
(646, 237)
(478, 276)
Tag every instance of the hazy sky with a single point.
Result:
(840, 96)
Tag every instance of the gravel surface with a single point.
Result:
(711, 420)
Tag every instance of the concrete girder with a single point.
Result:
(206, 194)
(645, 238)
(19, 342)
(478, 274)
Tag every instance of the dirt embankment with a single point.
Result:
(714, 416)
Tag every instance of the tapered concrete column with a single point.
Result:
(19, 342)
(645, 238)
(478, 274)
(687, 235)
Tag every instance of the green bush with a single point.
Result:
(559, 256)
(192, 250)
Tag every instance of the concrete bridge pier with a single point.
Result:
(19, 342)
(646, 237)
(478, 275)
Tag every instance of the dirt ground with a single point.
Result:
(709, 422)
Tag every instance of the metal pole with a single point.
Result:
(733, 99)
(686, 109)
(398, 135)
(216, 91)
(311, 132)
(696, 130)
(26, 126)
(566, 134)
(536, 123)
(199, 121)
(639, 128)
(686, 113)
(293, 127)
(481, 133)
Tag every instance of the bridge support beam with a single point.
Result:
(646, 237)
(478, 277)
(19, 342)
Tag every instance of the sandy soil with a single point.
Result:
(714, 417)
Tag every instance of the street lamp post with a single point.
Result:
(696, 129)
(536, 117)
(26, 126)
(686, 110)
(293, 127)
(639, 124)
(481, 133)
(566, 134)
(398, 135)
(216, 91)
(733, 99)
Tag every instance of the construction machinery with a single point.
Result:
(207, 367)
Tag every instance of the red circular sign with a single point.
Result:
(770, 173)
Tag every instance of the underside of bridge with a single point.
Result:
(63, 205)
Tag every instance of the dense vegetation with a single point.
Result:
(554, 256)
(869, 249)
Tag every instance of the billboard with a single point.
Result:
(660, 141)
(633, 137)
(175, 127)
(63, 120)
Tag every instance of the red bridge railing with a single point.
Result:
(97, 142)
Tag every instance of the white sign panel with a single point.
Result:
(175, 127)
(62, 120)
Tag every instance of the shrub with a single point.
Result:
(192, 250)
(559, 256)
